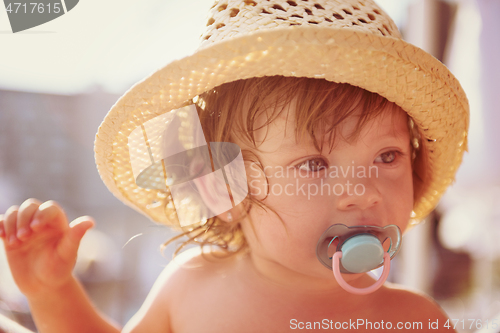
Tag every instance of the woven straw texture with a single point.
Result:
(351, 42)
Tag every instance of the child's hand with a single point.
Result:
(41, 247)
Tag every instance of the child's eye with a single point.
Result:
(313, 165)
(388, 157)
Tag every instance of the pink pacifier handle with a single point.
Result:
(360, 291)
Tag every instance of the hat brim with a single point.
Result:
(402, 73)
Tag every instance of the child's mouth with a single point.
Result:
(387, 238)
(360, 248)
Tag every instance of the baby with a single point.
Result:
(316, 153)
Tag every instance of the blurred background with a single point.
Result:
(58, 80)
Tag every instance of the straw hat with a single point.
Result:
(351, 41)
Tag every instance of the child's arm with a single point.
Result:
(41, 250)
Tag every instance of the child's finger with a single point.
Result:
(68, 247)
(50, 214)
(24, 216)
(10, 225)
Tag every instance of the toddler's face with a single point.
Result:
(311, 190)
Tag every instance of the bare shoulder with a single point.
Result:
(197, 266)
(186, 275)
(414, 305)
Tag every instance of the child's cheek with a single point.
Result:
(397, 191)
(295, 200)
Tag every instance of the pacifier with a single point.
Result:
(358, 249)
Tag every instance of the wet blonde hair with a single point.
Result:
(231, 110)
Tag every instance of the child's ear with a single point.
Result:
(216, 196)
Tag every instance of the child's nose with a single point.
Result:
(359, 193)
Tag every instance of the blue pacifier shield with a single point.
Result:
(361, 246)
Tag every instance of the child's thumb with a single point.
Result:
(68, 247)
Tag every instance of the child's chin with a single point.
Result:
(321, 272)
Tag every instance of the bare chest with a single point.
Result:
(231, 307)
